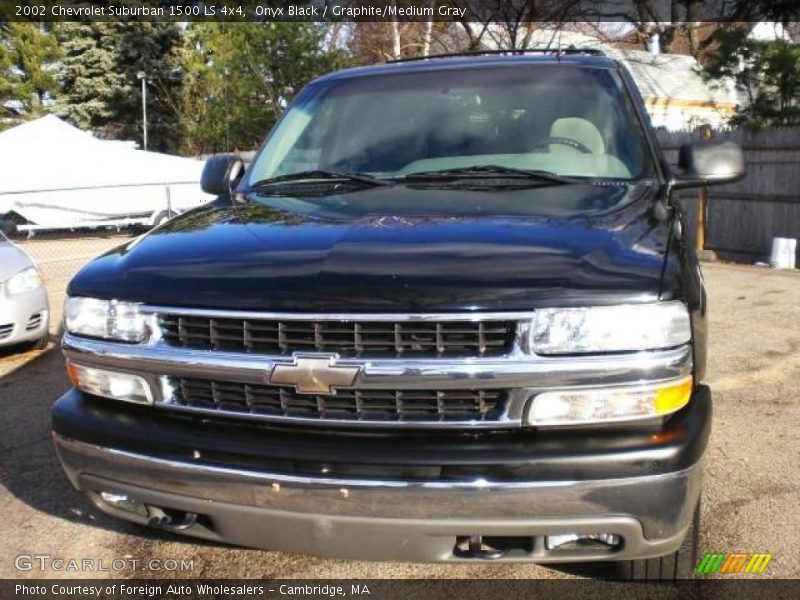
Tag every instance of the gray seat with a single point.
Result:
(579, 130)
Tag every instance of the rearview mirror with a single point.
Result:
(709, 163)
(221, 174)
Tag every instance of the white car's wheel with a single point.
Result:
(42, 342)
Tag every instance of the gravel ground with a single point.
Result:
(750, 494)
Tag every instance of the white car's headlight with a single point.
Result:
(108, 319)
(620, 328)
(24, 281)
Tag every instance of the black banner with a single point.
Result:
(387, 589)
(552, 11)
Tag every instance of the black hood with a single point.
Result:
(396, 249)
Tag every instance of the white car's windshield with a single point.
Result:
(560, 119)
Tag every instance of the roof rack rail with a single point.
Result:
(556, 51)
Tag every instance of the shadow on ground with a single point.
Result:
(29, 467)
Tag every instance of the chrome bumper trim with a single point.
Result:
(513, 371)
(661, 504)
(521, 374)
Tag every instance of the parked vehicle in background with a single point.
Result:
(24, 309)
(449, 313)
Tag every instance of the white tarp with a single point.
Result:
(56, 175)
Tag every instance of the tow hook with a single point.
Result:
(170, 520)
(473, 547)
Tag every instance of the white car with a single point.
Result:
(24, 310)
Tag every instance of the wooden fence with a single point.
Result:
(743, 217)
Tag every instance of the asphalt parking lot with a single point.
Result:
(749, 500)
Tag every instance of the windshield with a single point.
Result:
(564, 120)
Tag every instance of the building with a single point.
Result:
(674, 91)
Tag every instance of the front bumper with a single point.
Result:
(256, 485)
(23, 317)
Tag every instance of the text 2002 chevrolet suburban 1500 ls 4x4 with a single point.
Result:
(449, 313)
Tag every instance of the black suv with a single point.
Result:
(449, 313)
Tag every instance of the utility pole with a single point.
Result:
(702, 201)
(143, 76)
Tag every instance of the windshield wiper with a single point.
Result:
(318, 174)
(484, 171)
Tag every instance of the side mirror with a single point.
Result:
(709, 163)
(221, 174)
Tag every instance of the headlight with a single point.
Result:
(108, 319)
(625, 327)
(603, 405)
(110, 384)
(24, 281)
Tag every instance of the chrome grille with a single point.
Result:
(5, 330)
(347, 405)
(366, 338)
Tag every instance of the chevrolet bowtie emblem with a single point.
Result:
(313, 374)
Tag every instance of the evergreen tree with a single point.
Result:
(5, 65)
(768, 72)
(101, 90)
(239, 77)
(28, 55)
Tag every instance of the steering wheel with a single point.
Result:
(563, 141)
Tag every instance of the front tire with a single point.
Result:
(673, 567)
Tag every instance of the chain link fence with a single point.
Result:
(62, 230)
(60, 254)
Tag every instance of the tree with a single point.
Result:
(509, 24)
(239, 77)
(768, 72)
(688, 26)
(28, 55)
(373, 42)
(6, 93)
(100, 88)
